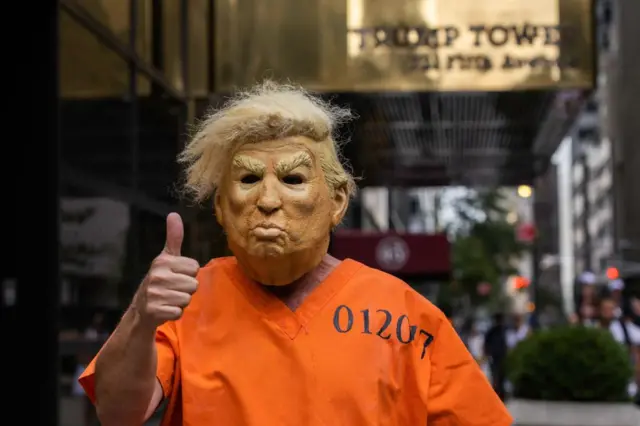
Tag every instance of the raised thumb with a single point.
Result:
(175, 234)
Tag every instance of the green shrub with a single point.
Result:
(570, 364)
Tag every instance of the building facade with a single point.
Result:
(622, 67)
(598, 180)
(592, 191)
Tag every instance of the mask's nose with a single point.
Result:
(269, 200)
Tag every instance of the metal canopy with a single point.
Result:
(472, 139)
(437, 139)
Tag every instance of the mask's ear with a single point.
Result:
(340, 205)
(218, 207)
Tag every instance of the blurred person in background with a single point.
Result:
(518, 330)
(634, 307)
(495, 349)
(587, 303)
(475, 343)
(615, 289)
(573, 319)
(281, 332)
(625, 332)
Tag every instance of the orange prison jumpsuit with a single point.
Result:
(363, 349)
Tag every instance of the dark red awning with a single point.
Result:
(415, 255)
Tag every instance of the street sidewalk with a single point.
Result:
(71, 413)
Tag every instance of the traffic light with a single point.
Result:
(520, 283)
(613, 273)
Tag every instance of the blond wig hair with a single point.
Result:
(265, 112)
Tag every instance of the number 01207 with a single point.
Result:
(344, 320)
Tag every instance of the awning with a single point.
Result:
(406, 255)
(405, 139)
(433, 139)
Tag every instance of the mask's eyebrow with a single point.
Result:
(289, 164)
(249, 164)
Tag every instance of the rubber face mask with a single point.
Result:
(277, 210)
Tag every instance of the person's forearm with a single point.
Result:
(126, 373)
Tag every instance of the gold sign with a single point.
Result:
(407, 45)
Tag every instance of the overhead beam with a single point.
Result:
(410, 180)
(494, 125)
(454, 95)
(470, 164)
(431, 172)
(436, 152)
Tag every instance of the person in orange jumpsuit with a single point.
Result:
(281, 333)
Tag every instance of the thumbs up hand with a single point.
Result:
(170, 282)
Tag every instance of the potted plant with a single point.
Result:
(571, 376)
